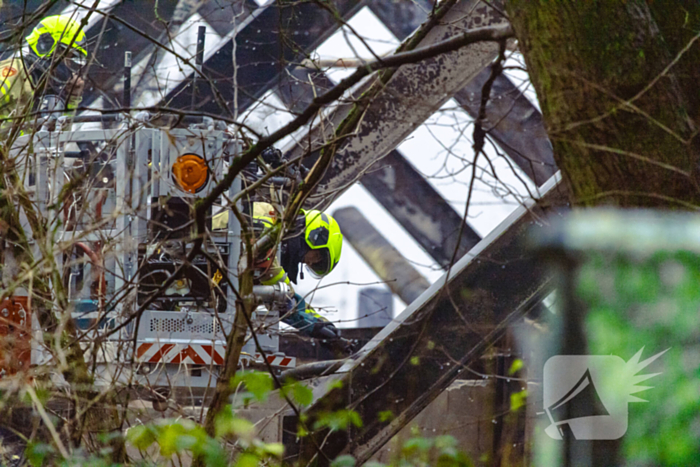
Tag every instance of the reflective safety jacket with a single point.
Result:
(268, 271)
(18, 95)
(16, 92)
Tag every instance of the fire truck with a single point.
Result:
(118, 205)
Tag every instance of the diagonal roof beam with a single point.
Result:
(279, 34)
(518, 127)
(446, 329)
(398, 186)
(386, 261)
(413, 93)
(266, 38)
(515, 125)
(118, 39)
(419, 208)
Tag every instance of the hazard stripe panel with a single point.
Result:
(199, 354)
(278, 360)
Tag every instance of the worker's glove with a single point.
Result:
(325, 330)
(330, 337)
(346, 346)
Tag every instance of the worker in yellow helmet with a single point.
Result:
(47, 77)
(316, 242)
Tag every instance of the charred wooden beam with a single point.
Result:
(419, 208)
(402, 18)
(410, 96)
(512, 121)
(268, 39)
(277, 37)
(395, 183)
(398, 187)
(446, 329)
(385, 260)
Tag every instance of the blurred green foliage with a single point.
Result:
(441, 451)
(651, 302)
(171, 441)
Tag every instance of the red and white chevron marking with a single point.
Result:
(278, 360)
(198, 354)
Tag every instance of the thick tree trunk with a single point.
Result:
(618, 87)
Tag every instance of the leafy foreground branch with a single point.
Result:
(173, 441)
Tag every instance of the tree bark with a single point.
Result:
(617, 84)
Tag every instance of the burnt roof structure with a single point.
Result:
(253, 50)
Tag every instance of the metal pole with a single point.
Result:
(199, 59)
(127, 80)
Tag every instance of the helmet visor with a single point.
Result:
(74, 59)
(319, 262)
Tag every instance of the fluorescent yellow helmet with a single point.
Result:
(322, 233)
(58, 30)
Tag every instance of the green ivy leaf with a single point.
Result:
(36, 453)
(140, 436)
(227, 423)
(416, 445)
(169, 439)
(518, 400)
(344, 461)
(516, 366)
(302, 394)
(257, 383)
(247, 460)
(453, 458)
(445, 441)
(339, 420)
(273, 449)
(302, 432)
(186, 442)
(213, 453)
(338, 384)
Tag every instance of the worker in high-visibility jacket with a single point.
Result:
(316, 243)
(46, 77)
